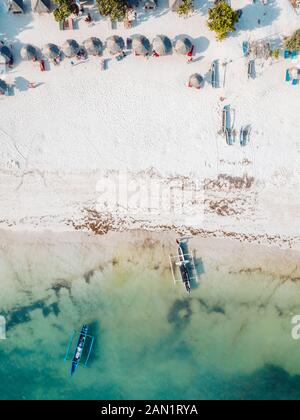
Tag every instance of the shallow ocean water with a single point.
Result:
(231, 339)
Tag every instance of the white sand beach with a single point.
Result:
(81, 125)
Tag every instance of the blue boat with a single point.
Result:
(84, 340)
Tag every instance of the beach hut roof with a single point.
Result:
(15, 6)
(70, 48)
(196, 80)
(5, 54)
(3, 87)
(93, 46)
(174, 5)
(51, 51)
(28, 52)
(115, 44)
(41, 6)
(162, 45)
(183, 45)
(140, 45)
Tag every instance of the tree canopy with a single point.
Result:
(185, 8)
(116, 9)
(293, 42)
(63, 11)
(222, 19)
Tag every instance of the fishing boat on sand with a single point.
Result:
(185, 262)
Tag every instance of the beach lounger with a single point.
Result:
(287, 54)
(229, 137)
(228, 124)
(71, 23)
(244, 136)
(251, 69)
(61, 25)
(213, 76)
(294, 54)
(295, 82)
(113, 24)
(287, 76)
(246, 48)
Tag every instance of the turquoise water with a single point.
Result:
(230, 339)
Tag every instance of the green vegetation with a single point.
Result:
(185, 8)
(293, 42)
(275, 53)
(63, 11)
(222, 19)
(116, 9)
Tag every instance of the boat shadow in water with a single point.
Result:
(94, 331)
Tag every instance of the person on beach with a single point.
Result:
(88, 19)
(155, 54)
(31, 85)
(190, 55)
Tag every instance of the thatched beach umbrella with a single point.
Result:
(183, 45)
(15, 6)
(28, 52)
(51, 51)
(140, 45)
(162, 45)
(196, 81)
(93, 46)
(3, 87)
(70, 48)
(115, 44)
(41, 6)
(5, 54)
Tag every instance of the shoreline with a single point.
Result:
(225, 206)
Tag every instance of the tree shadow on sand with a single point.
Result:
(161, 10)
(257, 15)
(201, 7)
(12, 25)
